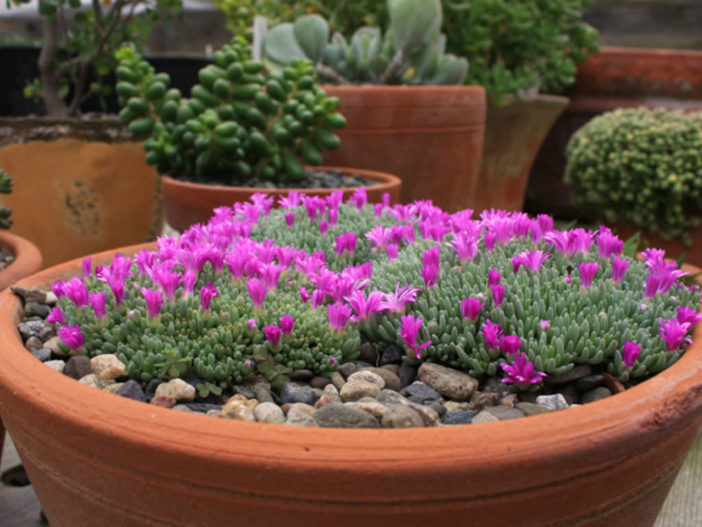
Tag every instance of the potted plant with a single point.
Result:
(638, 169)
(257, 295)
(407, 112)
(242, 131)
(90, 206)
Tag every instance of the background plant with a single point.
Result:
(78, 45)
(241, 123)
(5, 188)
(640, 165)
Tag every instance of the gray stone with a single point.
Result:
(269, 413)
(407, 374)
(301, 375)
(347, 369)
(178, 389)
(294, 393)
(418, 392)
(319, 382)
(53, 345)
(428, 414)
(504, 412)
(30, 294)
(90, 379)
(33, 343)
(31, 328)
(458, 417)
(337, 380)
(588, 383)
(36, 309)
(389, 397)
(77, 366)
(595, 395)
(113, 388)
(494, 385)
(552, 402)
(262, 392)
(300, 414)
(352, 391)
(182, 408)
(42, 354)
(373, 407)
(337, 415)
(480, 400)
(401, 416)
(368, 353)
(575, 373)
(392, 354)
(532, 409)
(392, 381)
(132, 390)
(437, 406)
(450, 383)
(331, 391)
(56, 365)
(484, 417)
(205, 407)
(367, 376)
(245, 390)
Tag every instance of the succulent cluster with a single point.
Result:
(5, 188)
(239, 124)
(410, 52)
(262, 291)
(640, 165)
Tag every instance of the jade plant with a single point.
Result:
(261, 292)
(240, 124)
(410, 52)
(5, 188)
(640, 165)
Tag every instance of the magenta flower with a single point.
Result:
(619, 268)
(252, 323)
(365, 307)
(380, 236)
(287, 323)
(86, 264)
(396, 301)
(56, 316)
(77, 291)
(290, 219)
(57, 288)
(409, 332)
(346, 243)
(359, 197)
(492, 334)
(430, 258)
(317, 298)
(270, 274)
(207, 293)
(494, 277)
(378, 210)
(168, 280)
(630, 353)
(490, 238)
(673, 332)
(498, 294)
(339, 315)
(607, 243)
(257, 291)
(688, 315)
(510, 344)
(304, 294)
(189, 281)
(291, 201)
(653, 282)
(333, 214)
(430, 275)
(97, 300)
(521, 372)
(392, 251)
(323, 227)
(465, 246)
(544, 325)
(153, 301)
(470, 308)
(71, 336)
(532, 260)
(587, 270)
(272, 334)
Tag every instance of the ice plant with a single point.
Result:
(409, 332)
(71, 336)
(207, 293)
(153, 300)
(673, 332)
(272, 333)
(587, 271)
(630, 352)
(56, 316)
(470, 308)
(521, 372)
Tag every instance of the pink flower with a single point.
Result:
(290, 219)
(323, 227)
(510, 344)
(470, 308)
(587, 270)
(365, 307)
(673, 332)
(168, 280)
(630, 353)
(77, 291)
(430, 275)
(287, 323)
(688, 315)
(607, 243)
(492, 334)
(189, 281)
(291, 201)
(97, 300)
(498, 294)
(409, 332)
(494, 277)
(153, 301)
(86, 265)
(207, 293)
(56, 316)
(71, 336)
(380, 236)
(392, 250)
(346, 243)
(359, 197)
(619, 268)
(257, 291)
(521, 372)
(532, 260)
(339, 315)
(465, 246)
(396, 301)
(252, 323)
(544, 325)
(304, 295)
(57, 288)
(272, 333)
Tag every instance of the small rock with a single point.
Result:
(494, 385)
(90, 379)
(532, 409)
(301, 375)
(331, 391)
(347, 369)
(245, 391)
(108, 366)
(42, 354)
(439, 408)
(114, 388)
(480, 400)
(452, 406)
(78, 366)
(585, 384)
(401, 416)
(56, 365)
(367, 376)
(390, 397)
(339, 415)
(428, 414)
(205, 408)
(503, 412)
(182, 408)
(373, 407)
(390, 367)
(269, 413)
(178, 389)
(337, 380)
(33, 343)
(36, 309)
(53, 345)
(319, 382)
(569, 392)
(552, 402)
(509, 400)
(352, 391)
(324, 400)
(241, 399)
(132, 390)
(368, 353)
(212, 413)
(392, 381)
(575, 373)
(418, 392)
(294, 393)
(164, 401)
(392, 354)
(235, 409)
(31, 328)
(450, 383)
(407, 374)
(484, 417)
(595, 395)
(300, 415)
(613, 384)
(30, 294)
(262, 392)
(151, 387)
(458, 417)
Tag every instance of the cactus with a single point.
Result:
(410, 52)
(5, 188)
(239, 124)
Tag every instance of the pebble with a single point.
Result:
(419, 392)
(612, 383)
(323, 400)
(347, 369)
(570, 393)
(295, 393)
(182, 408)
(392, 381)
(235, 409)
(389, 397)
(77, 366)
(585, 384)
(42, 354)
(33, 343)
(480, 400)
(373, 407)
(493, 385)
(36, 309)
(484, 417)
(503, 412)
(392, 354)
(595, 395)
(339, 415)
(300, 415)
(262, 392)
(113, 388)
(32, 294)
(31, 328)
(367, 376)
(458, 417)
(452, 406)
(450, 383)
(108, 367)
(575, 373)
(301, 375)
(552, 402)
(532, 409)
(132, 390)
(56, 365)
(337, 380)
(368, 353)
(270, 413)
(178, 389)
(204, 408)
(331, 391)
(319, 382)
(53, 345)
(401, 416)
(90, 380)
(239, 389)
(354, 390)
(164, 401)
(429, 415)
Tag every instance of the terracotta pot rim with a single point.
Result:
(655, 407)
(28, 258)
(646, 52)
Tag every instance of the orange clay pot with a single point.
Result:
(80, 185)
(513, 136)
(429, 136)
(27, 261)
(188, 203)
(97, 459)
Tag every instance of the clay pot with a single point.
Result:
(80, 186)
(189, 203)
(97, 459)
(27, 262)
(673, 248)
(429, 136)
(513, 136)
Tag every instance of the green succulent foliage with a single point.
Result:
(640, 165)
(410, 52)
(5, 188)
(239, 124)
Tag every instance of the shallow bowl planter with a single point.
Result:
(97, 459)
(189, 203)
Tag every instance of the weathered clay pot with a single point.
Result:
(188, 203)
(429, 136)
(97, 459)
(27, 262)
(80, 186)
(513, 136)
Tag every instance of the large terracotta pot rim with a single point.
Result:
(373, 95)
(27, 258)
(646, 52)
(670, 399)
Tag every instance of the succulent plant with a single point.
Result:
(410, 52)
(262, 291)
(239, 124)
(5, 188)
(640, 165)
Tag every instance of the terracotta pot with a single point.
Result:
(673, 248)
(429, 136)
(97, 459)
(27, 262)
(80, 186)
(188, 203)
(513, 136)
